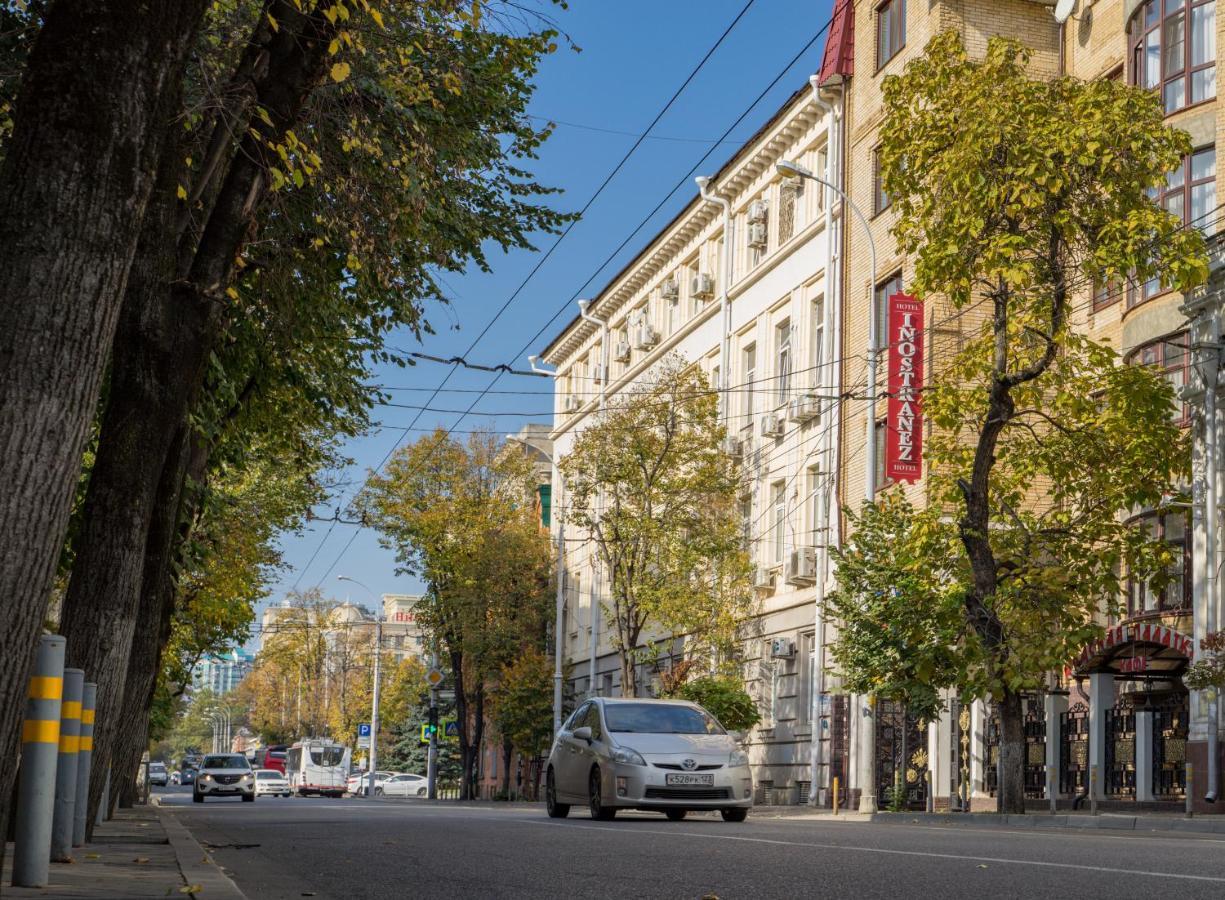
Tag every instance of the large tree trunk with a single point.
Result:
(1010, 790)
(74, 184)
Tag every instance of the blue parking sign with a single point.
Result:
(363, 730)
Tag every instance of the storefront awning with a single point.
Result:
(1137, 648)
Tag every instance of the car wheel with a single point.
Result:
(735, 814)
(675, 815)
(378, 792)
(248, 798)
(595, 802)
(197, 797)
(556, 810)
(421, 792)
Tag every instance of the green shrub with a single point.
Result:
(724, 698)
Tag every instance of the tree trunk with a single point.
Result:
(508, 750)
(1010, 792)
(74, 184)
(629, 675)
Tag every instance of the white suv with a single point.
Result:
(225, 775)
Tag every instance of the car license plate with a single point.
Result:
(687, 779)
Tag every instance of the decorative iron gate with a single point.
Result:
(901, 757)
(959, 754)
(1074, 750)
(839, 748)
(991, 753)
(1035, 747)
(1121, 749)
(1170, 720)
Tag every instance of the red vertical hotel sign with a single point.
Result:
(904, 427)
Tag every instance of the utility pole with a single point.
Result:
(374, 712)
(431, 766)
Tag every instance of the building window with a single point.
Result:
(880, 430)
(1143, 596)
(808, 670)
(880, 200)
(1107, 294)
(1189, 193)
(782, 361)
(817, 355)
(890, 30)
(1172, 356)
(815, 512)
(1173, 50)
(750, 377)
(746, 523)
(778, 523)
(885, 290)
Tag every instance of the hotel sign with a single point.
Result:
(904, 425)
(1137, 633)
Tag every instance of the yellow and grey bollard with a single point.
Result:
(40, 736)
(80, 811)
(66, 767)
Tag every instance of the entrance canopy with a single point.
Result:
(1137, 648)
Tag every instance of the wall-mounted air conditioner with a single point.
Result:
(804, 408)
(644, 336)
(572, 403)
(782, 648)
(621, 351)
(671, 289)
(758, 210)
(702, 286)
(802, 566)
(758, 235)
(597, 373)
(763, 578)
(731, 447)
(772, 425)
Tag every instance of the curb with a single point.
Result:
(1106, 822)
(196, 865)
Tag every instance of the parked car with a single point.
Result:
(187, 776)
(158, 774)
(404, 785)
(224, 775)
(670, 756)
(272, 782)
(359, 782)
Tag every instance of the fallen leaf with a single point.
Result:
(141, 859)
(93, 855)
(191, 889)
(981, 866)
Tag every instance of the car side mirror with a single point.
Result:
(583, 734)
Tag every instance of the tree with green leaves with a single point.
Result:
(460, 516)
(521, 710)
(1013, 193)
(649, 487)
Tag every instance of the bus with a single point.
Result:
(318, 766)
(269, 758)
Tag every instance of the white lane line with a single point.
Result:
(1199, 837)
(882, 850)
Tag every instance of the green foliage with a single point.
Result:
(1208, 672)
(649, 487)
(404, 753)
(521, 705)
(724, 698)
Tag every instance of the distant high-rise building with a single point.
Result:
(222, 673)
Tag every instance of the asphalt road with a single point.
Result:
(353, 848)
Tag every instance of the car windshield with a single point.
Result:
(266, 774)
(659, 718)
(327, 756)
(225, 762)
(157, 767)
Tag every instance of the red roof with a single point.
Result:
(839, 57)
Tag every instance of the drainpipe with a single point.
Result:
(724, 301)
(583, 307)
(1210, 533)
(559, 613)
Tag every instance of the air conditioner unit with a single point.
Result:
(597, 373)
(644, 336)
(772, 425)
(702, 286)
(758, 210)
(731, 447)
(621, 351)
(763, 578)
(758, 235)
(671, 289)
(572, 403)
(782, 648)
(802, 566)
(803, 408)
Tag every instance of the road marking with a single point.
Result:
(882, 850)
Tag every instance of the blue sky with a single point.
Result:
(635, 54)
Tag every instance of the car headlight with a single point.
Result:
(627, 755)
(738, 758)
(206, 777)
(246, 778)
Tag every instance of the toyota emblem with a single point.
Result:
(689, 764)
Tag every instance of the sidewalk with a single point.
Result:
(1109, 821)
(142, 852)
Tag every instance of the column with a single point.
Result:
(866, 754)
(1144, 755)
(1055, 705)
(978, 728)
(1101, 699)
(939, 751)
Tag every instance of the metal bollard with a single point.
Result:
(105, 806)
(1190, 790)
(931, 800)
(80, 811)
(66, 769)
(1050, 787)
(40, 736)
(1093, 789)
(835, 795)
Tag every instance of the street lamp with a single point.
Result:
(374, 712)
(867, 802)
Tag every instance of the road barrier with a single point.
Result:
(66, 767)
(80, 810)
(40, 736)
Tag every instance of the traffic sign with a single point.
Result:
(363, 730)
(434, 677)
(450, 728)
(363, 741)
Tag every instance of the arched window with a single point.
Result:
(1172, 357)
(1173, 50)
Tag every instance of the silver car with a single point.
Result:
(665, 755)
